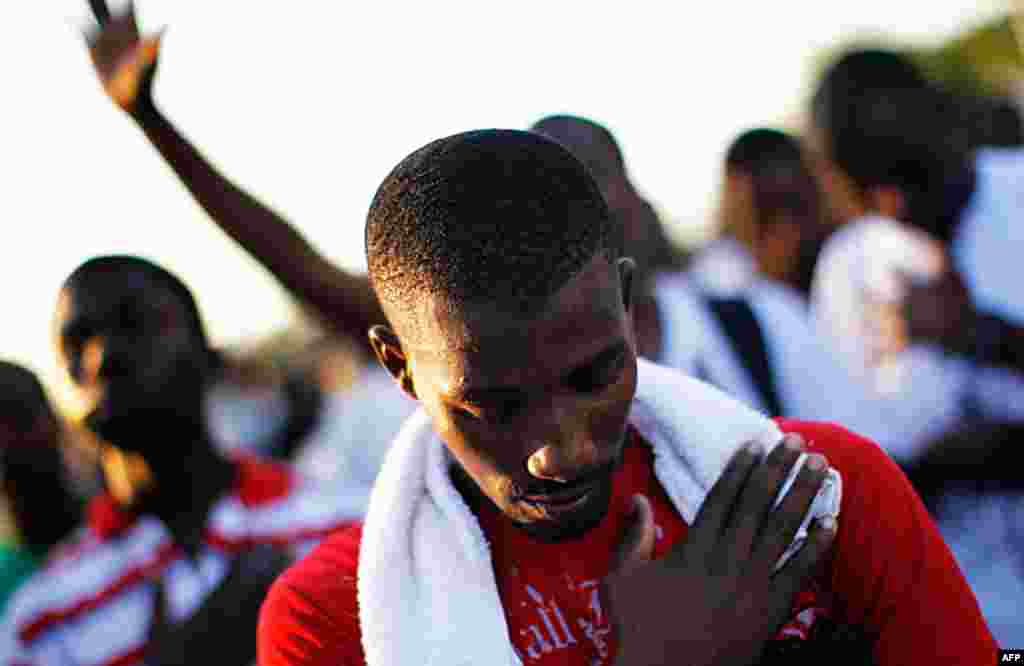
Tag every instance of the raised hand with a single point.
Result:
(125, 61)
(714, 599)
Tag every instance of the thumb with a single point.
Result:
(132, 77)
(637, 544)
(149, 48)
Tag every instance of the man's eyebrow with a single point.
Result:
(493, 394)
(487, 395)
(609, 353)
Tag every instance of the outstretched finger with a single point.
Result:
(791, 577)
(718, 505)
(100, 10)
(758, 496)
(779, 529)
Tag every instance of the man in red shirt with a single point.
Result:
(495, 259)
(177, 555)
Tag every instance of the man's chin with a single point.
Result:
(572, 526)
(123, 422)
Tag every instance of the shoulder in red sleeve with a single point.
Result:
(311, 614)
(891, 572)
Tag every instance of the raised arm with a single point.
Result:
(126, 64)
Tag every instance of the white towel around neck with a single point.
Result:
(427, 591)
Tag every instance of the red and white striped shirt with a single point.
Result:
(92, 605)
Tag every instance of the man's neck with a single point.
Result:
(187, 474)
(184, 495)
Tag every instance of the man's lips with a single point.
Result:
(560, 498)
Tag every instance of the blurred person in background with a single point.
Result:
(916, 288)
(889, 143)
(771, 204)
(182, 546)
(770, 214)
(643, 234)
(352, 431)
(969, 478)
(752, 338)
(43, 510)
(926, 268)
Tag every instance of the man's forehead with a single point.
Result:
(487, 347)
(588, 303)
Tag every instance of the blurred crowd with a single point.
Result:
(863, 273)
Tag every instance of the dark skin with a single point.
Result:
(141, 368)
(126, 64)
(136, 362)
(537, 405)
(774, 238)
(548, 414)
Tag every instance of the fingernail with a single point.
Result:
(815, 463)
(828, 523)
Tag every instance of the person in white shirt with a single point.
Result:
(752, 337)
(889, 143)
(888, 287)
(897, 164)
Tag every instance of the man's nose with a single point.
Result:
(567, 449)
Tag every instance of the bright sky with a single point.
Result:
(309, 104)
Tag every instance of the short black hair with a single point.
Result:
(911, 139)
(782, 182)
(23, 399)
(762, 148)
(997, 122)
(101, 273)
(857, 72)
(591, 143)
(32, 470)
(485, 216)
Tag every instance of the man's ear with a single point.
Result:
(627, 273)
(389, 352)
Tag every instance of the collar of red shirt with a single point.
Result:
(256, 482)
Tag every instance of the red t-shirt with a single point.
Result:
(890, 573)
